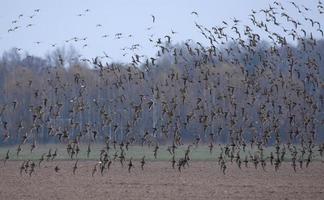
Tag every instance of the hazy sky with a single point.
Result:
(58, 21)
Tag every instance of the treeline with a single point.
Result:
(272, 95)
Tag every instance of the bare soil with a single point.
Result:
(202, 180)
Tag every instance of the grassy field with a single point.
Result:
(200, 153)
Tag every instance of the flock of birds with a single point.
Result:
(255, 109)
(18, 24)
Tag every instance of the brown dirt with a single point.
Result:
(202, 180)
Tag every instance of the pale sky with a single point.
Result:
(58, 21)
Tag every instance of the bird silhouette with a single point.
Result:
(153, 18)
(143, 162)
(75, 167)
(130, 165)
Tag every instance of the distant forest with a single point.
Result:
(274, 93)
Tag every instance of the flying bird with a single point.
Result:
(153, 18)
(194, 13)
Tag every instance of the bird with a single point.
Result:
(194, 13)
(33, 146)
(173, 161)
(22, 167)
(75, 167)
(41, 159)
(88, 150)
(130, 165)
(94, 170)
(153, 18)
(7, 157)
(56, 169)
(142, 162)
